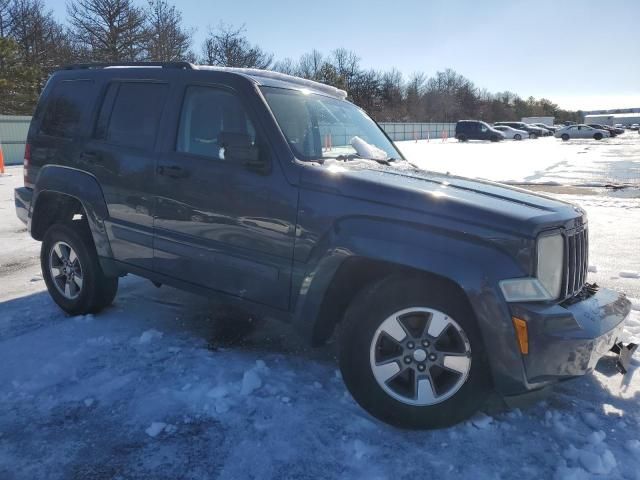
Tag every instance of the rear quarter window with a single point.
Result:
(67, 107)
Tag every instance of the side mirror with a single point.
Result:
(238, 147)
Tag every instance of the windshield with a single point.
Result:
(317, 127)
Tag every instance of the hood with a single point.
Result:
(491, 205)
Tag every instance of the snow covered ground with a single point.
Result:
(147, 390)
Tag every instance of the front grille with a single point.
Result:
(576, 262)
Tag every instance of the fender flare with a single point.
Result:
(83, 187)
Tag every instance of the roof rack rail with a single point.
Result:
(89, 66)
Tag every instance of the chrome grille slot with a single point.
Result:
(576, 260)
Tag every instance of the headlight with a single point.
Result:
(550, 262)
(548, 281)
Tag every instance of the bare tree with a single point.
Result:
(364, 91)
(107, 30)
(19, 84)
(5, 17)
(38, 36)
(286, 65)
(228, 47)
(42, 43)
(414, 97)
(311, 64)
(166, 40)
(391, 96)
(347, 66)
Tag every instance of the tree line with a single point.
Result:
(33, 44)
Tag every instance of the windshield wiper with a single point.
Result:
(355, 156)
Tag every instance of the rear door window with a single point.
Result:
(67, 108)
(130, 114)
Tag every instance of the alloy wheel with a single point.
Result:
(65, 270)
(420, 356)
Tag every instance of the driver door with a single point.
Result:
(219, 223)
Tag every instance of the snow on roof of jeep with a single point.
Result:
(270, 76)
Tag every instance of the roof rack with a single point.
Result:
(90, 66)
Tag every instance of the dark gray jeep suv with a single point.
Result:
(276, 194)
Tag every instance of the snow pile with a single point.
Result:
(481, 421)
(155, 429)
(251, 380)
(149, 336)
(593, 459)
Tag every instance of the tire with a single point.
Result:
(533, 136)
(405, 400)
(71, 270)
(517, 136)
(597, 136)
(493, 138)
(565, 137)
(462, 138)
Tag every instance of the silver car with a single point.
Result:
(581, 131)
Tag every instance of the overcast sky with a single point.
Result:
(580, 54)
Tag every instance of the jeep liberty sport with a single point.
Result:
(276, 194)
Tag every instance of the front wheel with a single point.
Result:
(71, 270)
(598, 136)
(412, 356)
(517, 136)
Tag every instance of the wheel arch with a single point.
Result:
(62, 192)
(356, 273)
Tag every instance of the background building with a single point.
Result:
(544, 120)
(13, 135)
(613, 118)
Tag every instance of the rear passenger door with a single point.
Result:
(219, 223)
(121, 156)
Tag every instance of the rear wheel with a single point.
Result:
(565, 137)
(517, 136)
(462, 138)
(71, 270)
(533, 135)
(597, 136)
(411, 355)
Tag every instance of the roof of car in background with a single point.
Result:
(260, 77)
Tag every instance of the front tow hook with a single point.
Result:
(624, 352)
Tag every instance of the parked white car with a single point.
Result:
(634, 126)
(512, 133)
(581, 131)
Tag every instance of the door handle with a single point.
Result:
(173, 171)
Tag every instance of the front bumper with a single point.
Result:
(22, 197)
(568, 340)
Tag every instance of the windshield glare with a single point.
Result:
(318, 126)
